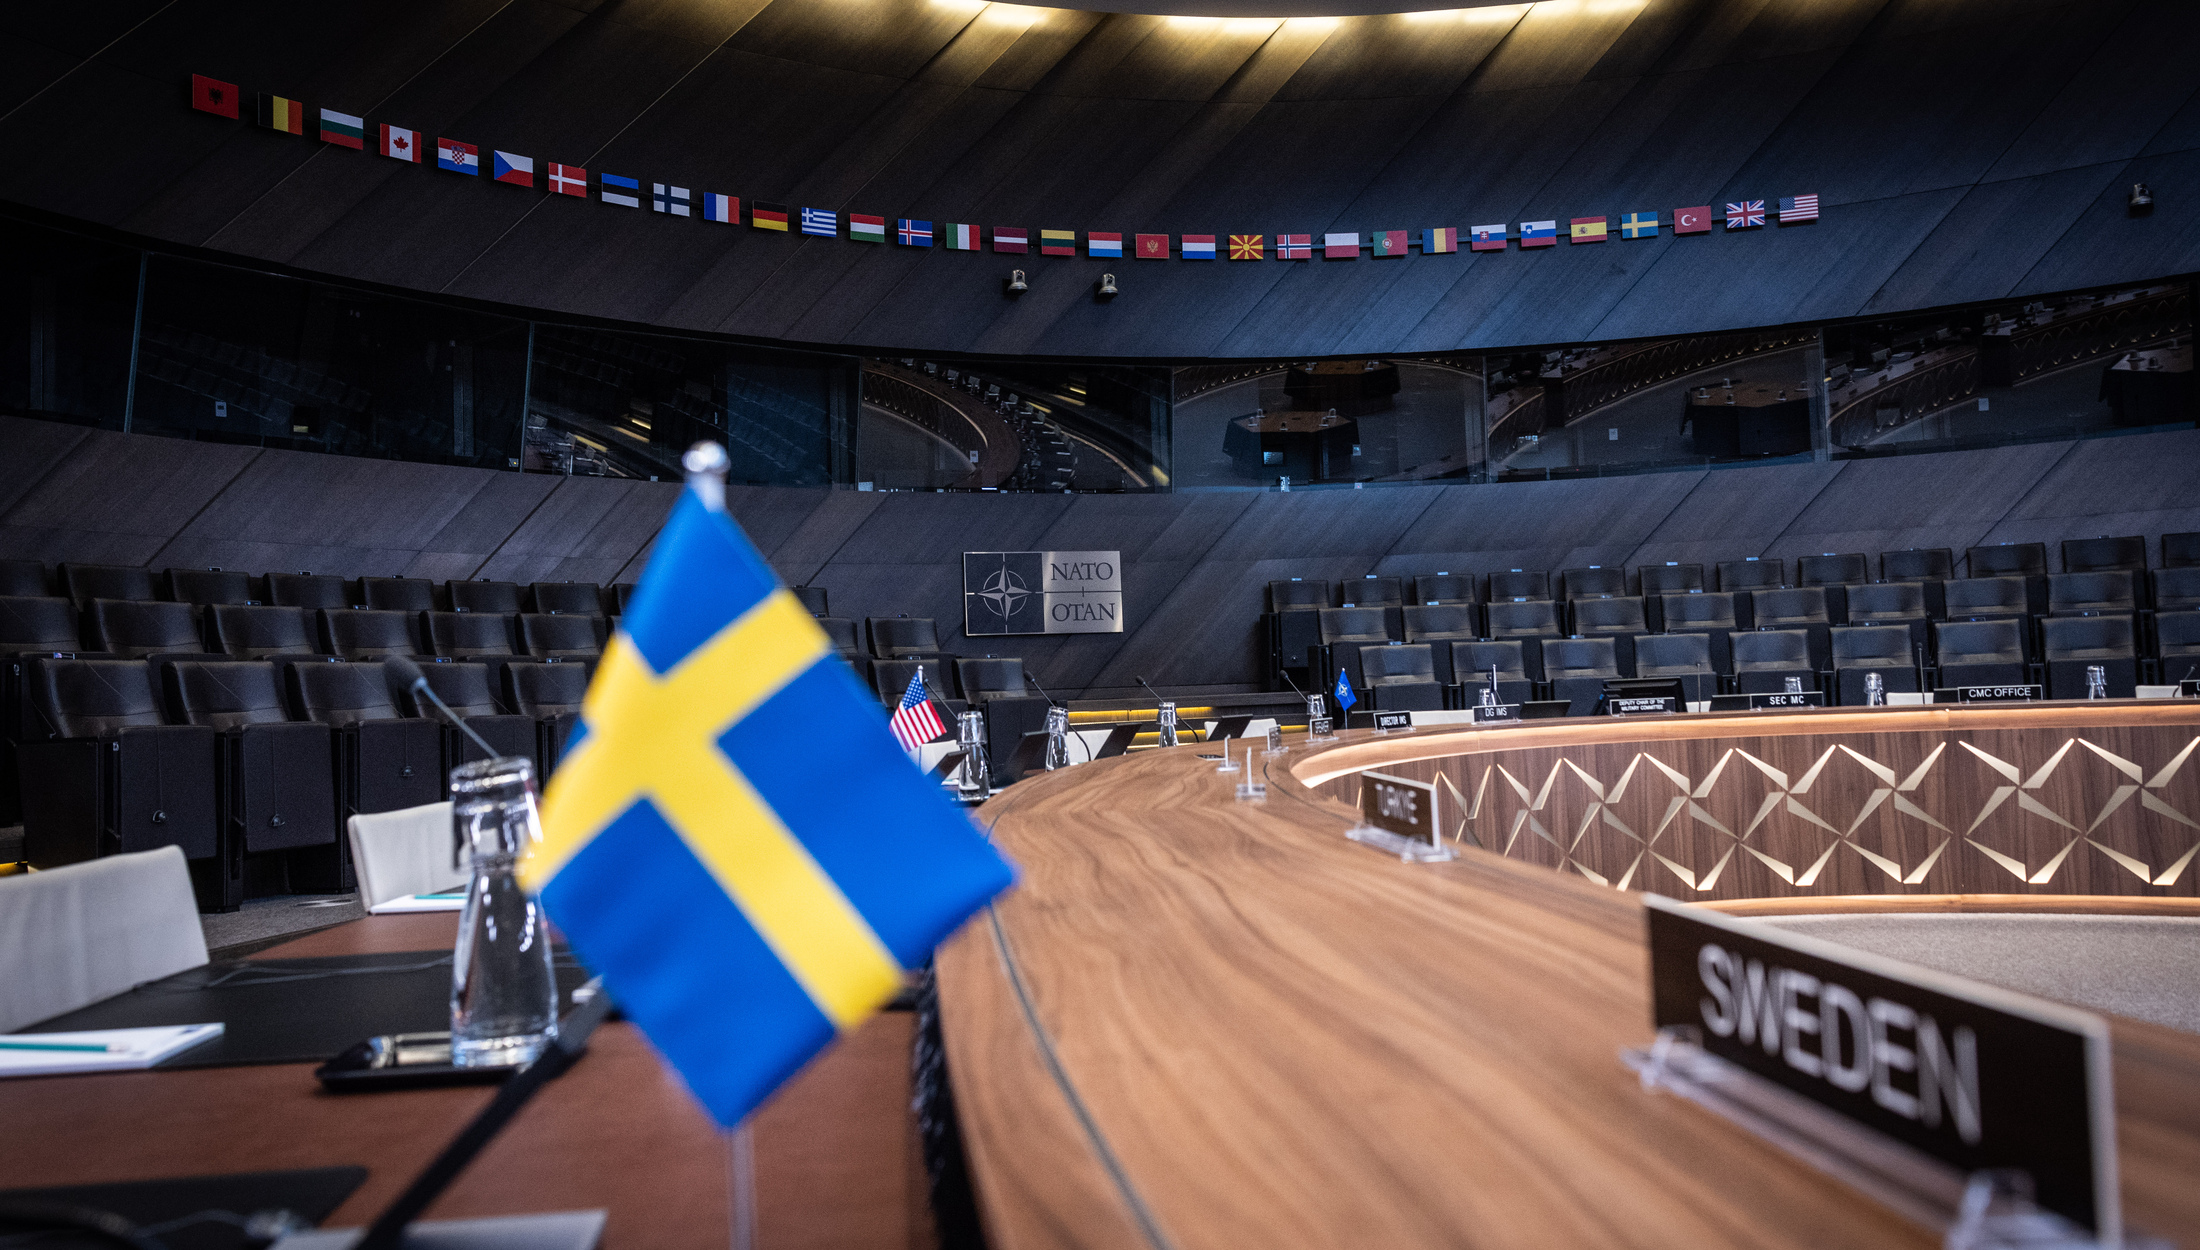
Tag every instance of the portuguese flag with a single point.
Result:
(343, 129)
(280, 113)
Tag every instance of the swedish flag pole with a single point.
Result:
(733, 839)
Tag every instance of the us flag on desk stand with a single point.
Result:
(915, 723)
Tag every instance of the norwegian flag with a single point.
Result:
(569, 180)
(1746, 215)
(1798, 208)
(1294, 247)
(915, 723)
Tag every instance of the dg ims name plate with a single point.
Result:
(1042, 592)
(1969, 1074)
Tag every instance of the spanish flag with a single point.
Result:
(278, 113)
(1247, 246)
(1588, 230)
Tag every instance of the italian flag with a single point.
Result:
(863, 229)
(343, 129)
(959, 238)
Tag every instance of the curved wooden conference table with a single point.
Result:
(1204, 1023)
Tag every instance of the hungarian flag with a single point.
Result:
(401, 144)
(1387, 242)
(1294, 247)
(281, 113)
(864, 228)
(1639, 226)
(723, 209)
(1695, 220)
(1588, 229)
(1248, 246)
(1153, 246)
(212, 95)
(764, 216)
(459, 158)
(959, 236)
(1198, 246)
(1011, 239)
(343, 130)
(1057, 242)
(517, 170)
(914, 233)
(1106, 246)
(1341, 246)
(1538, 233)
(1486, 238)
(1440, 239)
(568, 180)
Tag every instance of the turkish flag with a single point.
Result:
(1695, 220)
(1153, 247)
(211, 95)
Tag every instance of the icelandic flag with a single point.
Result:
(624, 192)
(722, 208)
(822, 222)
(1343, 693)
(1486, 238)
(1197, 246)
(673, 200)
(1539, 233)
(459, 158)
(912, 233)
(734, 839)
(517, 170)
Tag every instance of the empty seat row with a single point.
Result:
(131, 629)
(82, 583)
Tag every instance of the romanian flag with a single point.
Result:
(1247, 246)
(1153, 247)
(1106, 246)
(864, 228)
(1639, 226)
(343, 130)
(1294, 247)
(1391, 243)
(280, 113)
(1538, 233)
(1197, 246)
(958, 237)
(1588, 230)
(212, 95)
(1486, 238)
(1440, 239)
(768, 217)
(1057, 242)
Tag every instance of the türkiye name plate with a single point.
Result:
(1042, 592)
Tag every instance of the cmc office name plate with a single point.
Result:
(1042, 592)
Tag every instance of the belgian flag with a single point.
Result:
(278, 113)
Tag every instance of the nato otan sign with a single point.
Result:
(1042, 592)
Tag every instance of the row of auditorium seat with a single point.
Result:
(82, 583)
(132, 629)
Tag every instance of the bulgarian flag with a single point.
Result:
(343, 129)
(958, 236)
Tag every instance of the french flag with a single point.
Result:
(721, 208)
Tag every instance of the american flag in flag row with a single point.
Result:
(915, 723)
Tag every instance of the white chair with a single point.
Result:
(404, 852)
(72, 936)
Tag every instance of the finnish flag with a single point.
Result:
(672, 200)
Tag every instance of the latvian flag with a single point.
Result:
(863, 228)
(822, 222)
(1589, 229)
(212, 95)
(764, 216)
(958, 236)
(724, 209)
(1539, 234)
(1106, 246)
(910, 232)
(1440, 239)
(568, 180)
(624, 192)
(1294, 247)
(1197, 246)
(280, 113)
(1247, 246)
(459, 158)
(1390, 243)
(508, 167)
(1486, 238)
(1011, 239)
(1798, 208)
(401, 144)
(1745, 215)
(343, 130)
(667, 199)
(1341, 246)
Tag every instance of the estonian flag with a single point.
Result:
(624, 192)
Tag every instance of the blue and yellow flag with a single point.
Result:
(733, 839)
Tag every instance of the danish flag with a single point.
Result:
(568, 180)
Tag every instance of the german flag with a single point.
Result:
(764, 216)
(278, 113)
(1588, 230)
(1248, 246)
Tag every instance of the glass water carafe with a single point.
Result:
(504, 990)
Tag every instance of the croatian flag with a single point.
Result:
(517, 170)
(1538, 233)
(912, 233)
(624, 192)
(1745, 215)
(568, 180)
(459, 158)
(823, 222)
(721, 208)
(401, 144)
(1798, 208)
(1486, 238)
(674, 200)
(1197, 246)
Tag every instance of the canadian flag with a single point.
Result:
(400, 143)
(568, 179)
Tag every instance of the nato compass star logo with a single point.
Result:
(1004, 592)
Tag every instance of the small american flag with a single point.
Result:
(1745, 215)
(1798, 208)
(915, 723)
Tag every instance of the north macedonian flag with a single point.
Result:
(1247, 246)
(733, 839)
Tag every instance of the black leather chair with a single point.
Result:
(25, 579)
(2093, 594)
(1685, 656)
(280, 797)
(503, 598)
(1765, 659)
(368, 634)
(1440, 625)
(1294, 626)
(1711, 614)
(132, 629)
(1593, 582)
(1532, 624)
(385, 759)
(2177, 644)
(1471, 663)
(551, 693)
(1862, 649)
(1833, 569)
(1655, 581)
(890, 680)
(996, 685)
(2101, 555)
(1402, 678)
(1980, 653)
(1344, 632)
(2177, 589)
(311, 590)
(85, 582)
(1576, 670)
(1929, 567)
(1795, 607)
(813, 599)
(1986, 598)
(566, 598)
(1738, 577)
(470, 688)
(2180, 551)
(257, 632)
(567, 637)
(30, 626)
(2071, 644)
(1519, 586)
(621, 595)
(1892, 603)
(1444, 589)
(1387, 593)
(1617, 619)
(399, 594)
(207, 587)
(2025, 560)
(470, 635)
(901, 637)
(842, 633)
(103, 774)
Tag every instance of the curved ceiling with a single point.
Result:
(1963, 149)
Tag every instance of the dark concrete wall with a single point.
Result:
(1965, 149)
(1196, 564)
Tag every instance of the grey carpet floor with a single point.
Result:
(2144, 967)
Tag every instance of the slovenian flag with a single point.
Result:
(1440, 239)
(1486, 239)
(1105, 246)
(568, 180)
(1538, 233)
(863, 228)
(1011, 239)
(768, 217)
(624, 192)
(1391, 243)
(1196, 246)
(1341, 246)
(459, 158)
(910, 232)
(958, 237)
(722, 208)
(822, 222)
(517, 170)
(343, 129)
(1057, 243)
(667, 199)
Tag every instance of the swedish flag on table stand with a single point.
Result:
(733, 839)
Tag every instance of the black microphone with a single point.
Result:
(1051, 700)
(404, 677)
(1150, 690)
(1288, 682)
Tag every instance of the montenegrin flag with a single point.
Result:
(1057, 242)
(401, 144)
(958, 236)
(1247, 247)
(1105, 246)
(1588, 229)
(733, 839)
(1197, 246)
(343, 130)
(1440, 239)
(1153, 246)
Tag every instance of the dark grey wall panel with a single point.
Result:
(1916, 501)
(118, 499)
(2141, 484)
(34, 449)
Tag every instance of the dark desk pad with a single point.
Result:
(293, 1010)
(311, 1193)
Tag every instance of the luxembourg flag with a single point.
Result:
(401, 144)
(1197, 247)
(517, 170)
(725, 209)
(1108, 246)
(459, 158)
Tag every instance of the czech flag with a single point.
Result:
(517, 170)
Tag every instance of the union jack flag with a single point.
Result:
(1798, 208)
(1745, 215)
(915, 723)
(914, 233)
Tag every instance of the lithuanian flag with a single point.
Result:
(1057, 242)
(286, 115)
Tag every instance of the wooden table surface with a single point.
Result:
(1201, 1023)
(836, 1157)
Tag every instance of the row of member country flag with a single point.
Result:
(397, 142)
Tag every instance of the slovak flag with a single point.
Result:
(722, 208)
(400, 143)
(459, 158)
(1745, 215)
(568, 180)
(517, 170)
(1487, 238)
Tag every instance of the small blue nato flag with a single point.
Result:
(1343, 692)
(733, 839)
